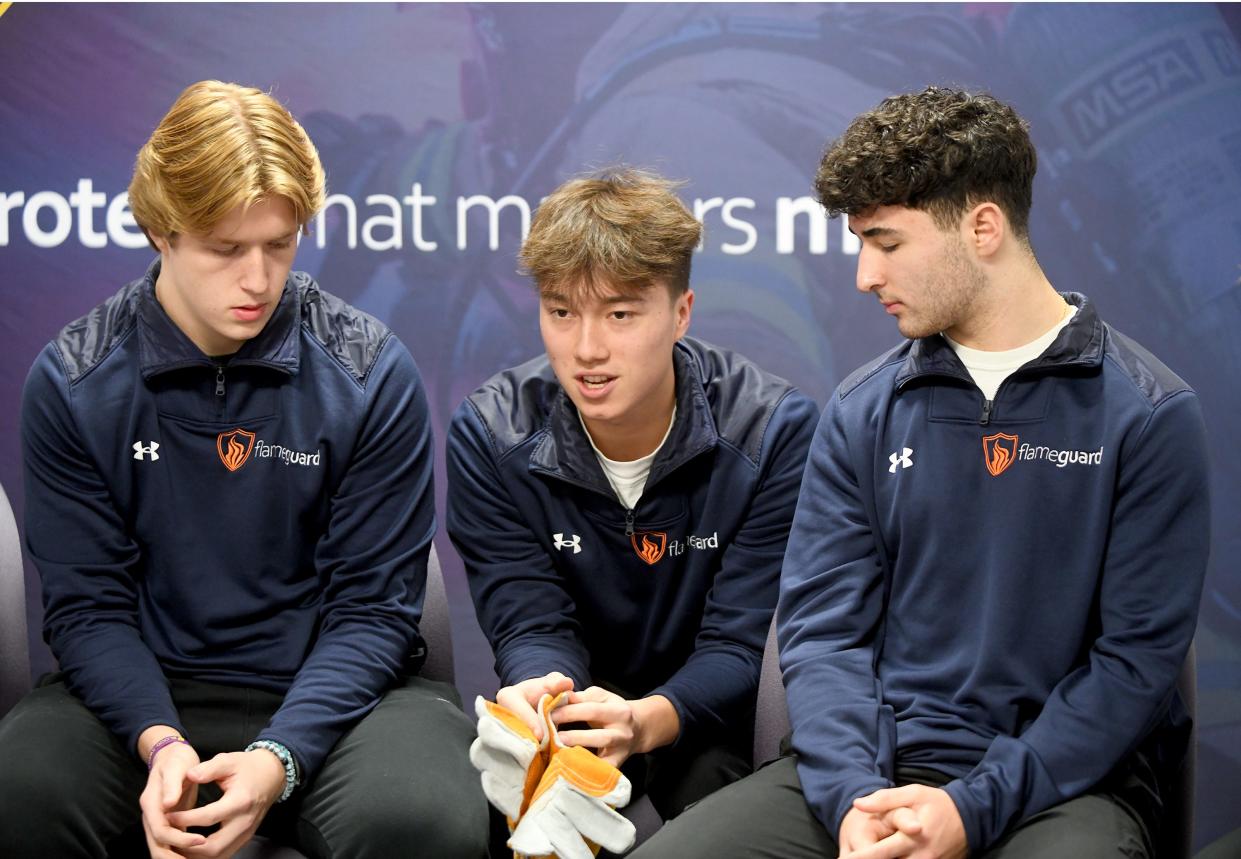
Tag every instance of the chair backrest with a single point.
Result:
(771, 713)
(771, 725)
(14, 648)
(1177, 839)
(435, 626)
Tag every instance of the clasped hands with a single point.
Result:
(911, 822)
(251, 782)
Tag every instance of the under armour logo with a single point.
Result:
(902, 459)
(141, 451)
(561, 543)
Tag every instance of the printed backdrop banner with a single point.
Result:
(441, 127)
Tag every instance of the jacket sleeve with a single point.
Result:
(372, 560)
(89, 564)
(523, 607)
(828, 618)
(1152, 575)
(714, 690)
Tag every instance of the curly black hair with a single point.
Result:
(940, 150)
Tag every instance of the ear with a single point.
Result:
(684, 309)
(161, 243)
(985, 228)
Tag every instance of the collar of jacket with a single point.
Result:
(1079, 344)
(565, 451)
(163, 346)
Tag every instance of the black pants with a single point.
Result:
(676, 777)
(765, 816)
(399, 783)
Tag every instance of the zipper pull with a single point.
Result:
(219, 380)
(986, 412)
(629, 523)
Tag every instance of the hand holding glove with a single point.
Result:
(509, 756)
(558, 800)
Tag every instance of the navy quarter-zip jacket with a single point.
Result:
(673, 597)
(260, 522)
(1003, 592)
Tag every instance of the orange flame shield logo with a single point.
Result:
(999, 451)
(234, 447)
(652, 547)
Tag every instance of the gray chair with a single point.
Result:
(771, 710)
(14, 649)
(435, 625)
(771, 725)
(1178, 832)
(437, 632)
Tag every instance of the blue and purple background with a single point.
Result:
(1136, 111)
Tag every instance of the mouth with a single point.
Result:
(594, 384)
(248, 312)
(892, 306)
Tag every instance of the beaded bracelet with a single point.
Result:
(291, 778)
(166, 741)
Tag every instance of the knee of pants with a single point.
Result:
(37, 815)
(27, 805)
(438, 818)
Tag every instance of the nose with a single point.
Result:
(869, 270)
(590, 346)
(254, 271)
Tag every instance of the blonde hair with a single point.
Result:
(220, 146)
(623, 229)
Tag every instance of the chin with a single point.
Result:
(913, 331)
(593, 412)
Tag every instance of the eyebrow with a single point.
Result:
(622, 298)
(552, 297)
(220, 240)
(877, 231)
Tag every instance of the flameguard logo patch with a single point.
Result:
(234, 447)
(649, 545)
(999, 451)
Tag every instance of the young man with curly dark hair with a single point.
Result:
(994, 570)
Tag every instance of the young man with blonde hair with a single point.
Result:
(622, 502)
(228, 498)
(993, 577)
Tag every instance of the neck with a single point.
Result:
(635, 436)
(1020, 305)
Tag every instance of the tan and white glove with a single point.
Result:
(572, 811)
(509, 757)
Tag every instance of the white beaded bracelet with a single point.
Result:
(291, 779)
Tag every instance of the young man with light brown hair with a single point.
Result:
(622, 502)
(228, 498)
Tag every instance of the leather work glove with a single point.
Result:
(571, 813)
(509, 757)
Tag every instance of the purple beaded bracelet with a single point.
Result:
(166, 741)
